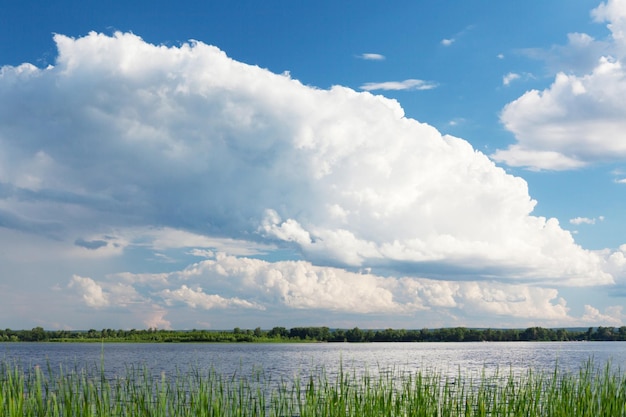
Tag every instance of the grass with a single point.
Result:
(592, 391)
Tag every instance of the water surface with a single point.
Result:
(291, 359)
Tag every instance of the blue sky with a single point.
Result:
(220, 164)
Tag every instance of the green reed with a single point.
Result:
(591, 391)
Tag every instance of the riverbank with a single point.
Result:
(592, 391)
(315, 334)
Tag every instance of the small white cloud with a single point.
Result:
(585, 220)
(202, 253)
(536, 160)
(453, 39)
(410, 84)
(500, 56)
(508, 78)
(372, 57)
(456, 121)
(91, 292)
(621, 181)
(161, 257)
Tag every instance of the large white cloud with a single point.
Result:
(223, 284)
(122, 133)
(261, 285)
(579, 119)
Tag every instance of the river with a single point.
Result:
(292, 359)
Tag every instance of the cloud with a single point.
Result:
(197, 298)
(613, 12)
(164, 238)
(585, 220)
(579, 56)
(457, 121)
(410, 84)
(536, 160)
(579, 119)
(447, 42)
(91, 292)
(512, 76)
(90, 244)
(372, 57)
(202, 253)
(508, 78)
(612, 316)
(148, 146)
(300, 285)
(517, 301)
(156, 319)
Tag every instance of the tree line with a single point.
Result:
(317, 334)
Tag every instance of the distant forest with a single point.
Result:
(316, 334)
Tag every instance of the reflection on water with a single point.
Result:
(288, 360)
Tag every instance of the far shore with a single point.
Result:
(315, 335)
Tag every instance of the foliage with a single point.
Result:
(316, 334)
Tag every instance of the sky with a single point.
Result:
(413, 164)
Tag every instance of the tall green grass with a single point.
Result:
(590, 392)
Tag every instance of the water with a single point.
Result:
(290, 360)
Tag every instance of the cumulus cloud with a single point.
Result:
(91, 292)
(227, 283)
(300, 285)
(616, 265)
(410, 84)
(125, 138)
(612, 316)
(155, 319)
(195, 297)
(579, 119)
(517, 301)
(614, 13)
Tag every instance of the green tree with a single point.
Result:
(38, 334)
(278, 332)
(355, 335)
